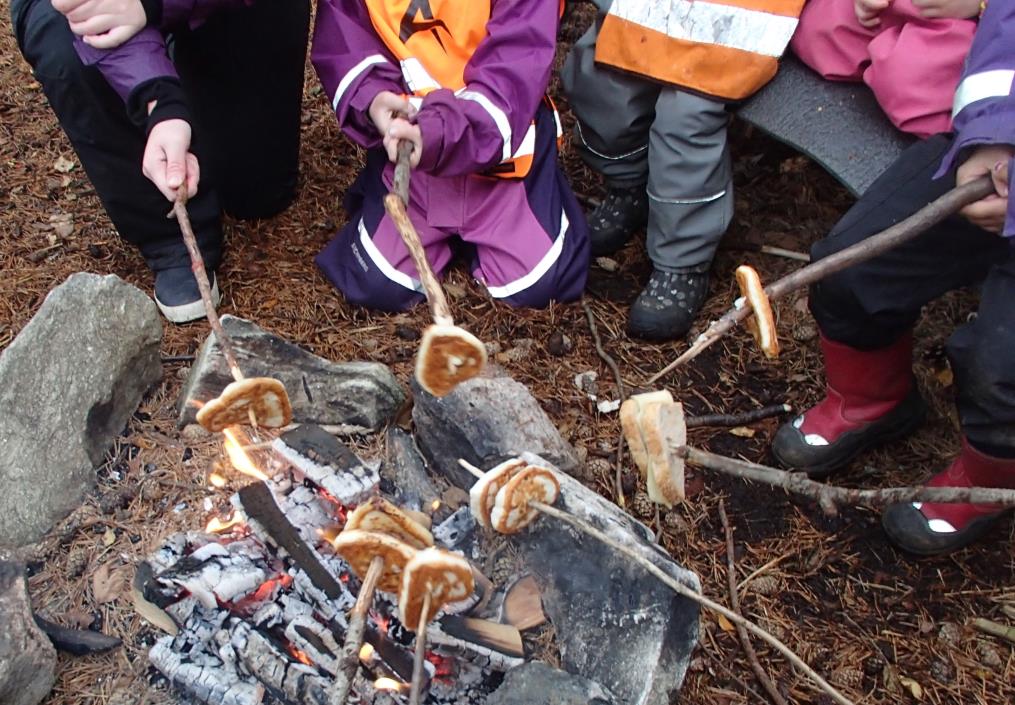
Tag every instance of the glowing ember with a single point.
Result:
(239, 458)
(387, 684)
(300, 656)
(366, 654)
(443, 667)
(216, 525)
(268, 590)
(435, 505)
(216, 480)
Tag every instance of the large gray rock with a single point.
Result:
(360, 396)
(68, 384)
(536, 683)
(27, 658)
(483, 420)
(615, 622)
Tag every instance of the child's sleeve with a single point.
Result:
(984, 109)
(506, 78)
(353, 65)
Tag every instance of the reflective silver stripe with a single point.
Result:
(400, 278)
(499, 117)
(687, 201)
(980, 86)
(703, 22)
(548, 260)
(352, 74)
(599, 154)
(528, 146)
(416, 77)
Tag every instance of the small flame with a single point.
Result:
(239, 458)
(366, 654)
(217, 481)
(385, 683)
(300, 656)
(216, 525)
(435, 505)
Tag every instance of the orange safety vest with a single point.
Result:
(724, 48)
(433, 41)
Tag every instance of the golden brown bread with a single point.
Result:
(631, 412)
(512, 511)
(664, 431)
(358, 548)
(762, 323)
(266, 396)
(483, 493)
(447, 357)
(381, 516)
(445, 576)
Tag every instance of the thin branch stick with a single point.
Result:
(788, 254)
(913, 226)
(743, 419)
(830, 497)
(348, 660)
(396, 204)
(416, 689)
(201, 275)
(621, 393)
(745, 639)
(1001, 631)
(687, 592)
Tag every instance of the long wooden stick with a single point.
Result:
(752, 416)
(830, 497)
(745, 639)
(396, 204)
(904, 231)
(416, 688)
(678, 587)
(203, 285)
(348, 660)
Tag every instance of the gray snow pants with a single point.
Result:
(637, 132)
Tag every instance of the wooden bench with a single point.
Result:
(838, 125)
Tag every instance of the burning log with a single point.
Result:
(211, 683)
(261, 400)
(290, 681)
(322, 459)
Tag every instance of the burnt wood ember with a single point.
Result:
(322, 459)
(79, 642)
(288, 681)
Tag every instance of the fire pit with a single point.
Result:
(257, 605)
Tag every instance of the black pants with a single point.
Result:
(243, 75)
(871, 305)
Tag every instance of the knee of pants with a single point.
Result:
(846, 309)
(564, 280)
(48, 45)
(985, 388)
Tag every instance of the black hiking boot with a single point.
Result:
(667, 306)
(615, 220)
(178, 297)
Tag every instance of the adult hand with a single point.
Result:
(103, 24)
(988, 213)
(168, 161)
(386, 106)
(868, 11)
(403, 130)
(958, 9)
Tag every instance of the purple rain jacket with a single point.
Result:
(140, 71)
(984, 109)
(510, 69)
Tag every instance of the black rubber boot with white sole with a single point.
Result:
(178, 297)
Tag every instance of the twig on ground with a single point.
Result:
(687, 592)
(1001, 631)
(906, 230)
(830, 497)
(621, 394)
(743, 419)
(169, 359)
(788, 254)
(745, 639)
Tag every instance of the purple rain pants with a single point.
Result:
(528, 237)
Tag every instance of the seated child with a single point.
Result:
(485, 146)
(909, 52)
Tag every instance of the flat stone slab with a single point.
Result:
(536, 683)
(359, 396)
(27, 658)
(69, 382)
(487, 418)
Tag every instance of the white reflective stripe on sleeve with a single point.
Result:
(499, 117)
(400, 278)
(416, 77)
(528, 146)
(548, 260)
(351, 76)
(711, 23)
(980, 86)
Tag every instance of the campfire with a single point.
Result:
(257, 605)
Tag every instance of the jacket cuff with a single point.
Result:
(431, 128)
(152, 12)
(170, 103)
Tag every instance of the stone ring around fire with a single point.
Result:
(444, 576)
(359, 548)
(513, 509)
(261, 400)
(378, 515)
